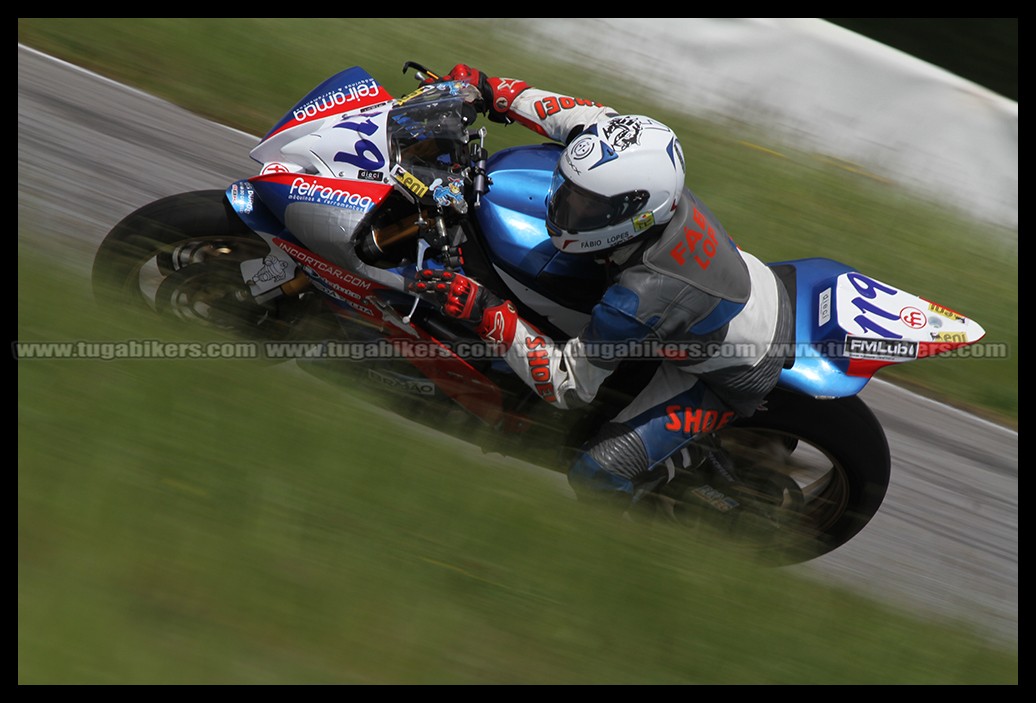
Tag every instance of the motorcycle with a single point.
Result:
(358, 190)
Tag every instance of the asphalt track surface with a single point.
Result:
(945, 541)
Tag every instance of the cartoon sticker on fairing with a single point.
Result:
(450, 193)
(272, 269)
(265, 274)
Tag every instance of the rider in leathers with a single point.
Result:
(682, 288)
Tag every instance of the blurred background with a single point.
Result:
(223, 522)
(980, 49)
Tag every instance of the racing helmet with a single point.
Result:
(613, 183)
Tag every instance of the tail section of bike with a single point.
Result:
(850, 325)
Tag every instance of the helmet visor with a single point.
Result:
(576, 209)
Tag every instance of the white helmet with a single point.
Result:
(614, 182)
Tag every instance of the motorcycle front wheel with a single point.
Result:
(179, 257)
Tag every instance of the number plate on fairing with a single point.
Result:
(883, 323)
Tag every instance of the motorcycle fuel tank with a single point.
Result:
(512, 216)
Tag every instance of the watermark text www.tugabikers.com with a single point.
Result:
(136, 349)
(469, 349)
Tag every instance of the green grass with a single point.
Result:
(220, 521)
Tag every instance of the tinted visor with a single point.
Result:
(576, 209)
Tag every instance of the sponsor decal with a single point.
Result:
(329, 192)
(334, 100)
(949, 337)
(326, 287)
(824, 307)
(242, 197)
(344, 282)
(583, 147)
(364, 310)
(409, 181)
(945, 312)
(334, 289)
(365, 175)
(718, 500)
(553, 104)
(498, 326)
(913, 318)
(505, 91)
(643, 221)
(497, 331)
(274, 167)
(538, 358)
(413, 94)
(420, 386)
(445, 86)
(694, 420)
(879, 348)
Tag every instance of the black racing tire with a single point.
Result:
(153, 233)
(179, 258)
(814, 474)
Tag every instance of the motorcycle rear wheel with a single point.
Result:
(811, 475)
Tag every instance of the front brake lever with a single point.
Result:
(422, 247)
(422, 72)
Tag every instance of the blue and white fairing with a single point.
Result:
(849, 325)
(351, 90)
(338, 154)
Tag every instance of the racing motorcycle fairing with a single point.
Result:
(849, 325)
(348, 91)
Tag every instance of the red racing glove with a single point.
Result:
(497, 93)
(466, 299)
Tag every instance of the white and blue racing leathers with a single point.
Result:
(719, 318)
